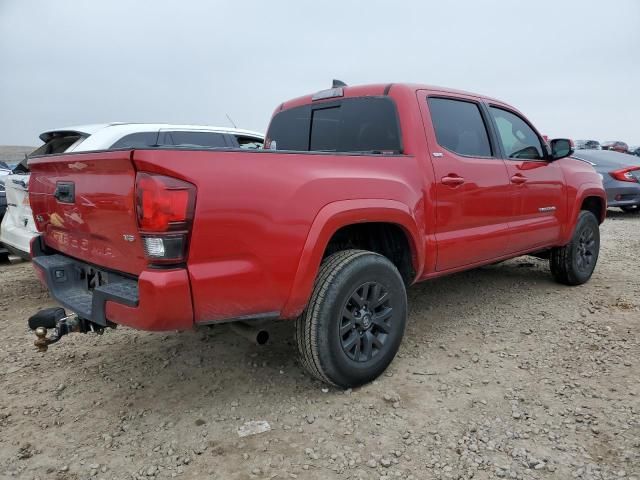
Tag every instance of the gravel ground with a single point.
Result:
(502, 374)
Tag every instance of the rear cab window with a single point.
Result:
(460, 127)
(350, 125)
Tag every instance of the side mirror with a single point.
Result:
(561, 148)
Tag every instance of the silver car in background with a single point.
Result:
(620, 176)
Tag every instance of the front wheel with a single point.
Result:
(355, 320)
(574, 263)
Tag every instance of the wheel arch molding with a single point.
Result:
(337, 215)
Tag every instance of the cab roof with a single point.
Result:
(377, 89)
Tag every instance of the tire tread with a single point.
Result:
(307, 322)
(561, 258)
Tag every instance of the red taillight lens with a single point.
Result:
(164, 203)
(629, 174)
(164, 206)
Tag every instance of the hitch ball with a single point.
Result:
(56, 319)
(41, 342)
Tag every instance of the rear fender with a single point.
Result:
(328, 221)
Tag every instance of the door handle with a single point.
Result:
(65, 192)
(518, 179)
(452, 180)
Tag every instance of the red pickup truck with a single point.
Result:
(359, 192)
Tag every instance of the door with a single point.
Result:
(471, 183)
(537, 184)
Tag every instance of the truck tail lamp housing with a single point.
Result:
(629, 174)
(164, 208)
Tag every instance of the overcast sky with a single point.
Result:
(572, 66)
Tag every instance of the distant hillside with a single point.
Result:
(13, 153)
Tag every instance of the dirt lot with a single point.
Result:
(502, 373)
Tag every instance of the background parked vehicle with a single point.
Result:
(620, 177)
(18, 228)
(361, 192)
(9, 158)
(616, 146)
(5, 170)
(587, 145)
(635, 150)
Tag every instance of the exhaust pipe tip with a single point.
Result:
(257, 335)
(262, 337)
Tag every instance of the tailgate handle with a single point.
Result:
(65, 192)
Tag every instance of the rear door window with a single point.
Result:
(197, 139)
(137, 140)
(518, 139)
(459, 127)
(367, 124)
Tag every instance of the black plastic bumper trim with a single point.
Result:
(67, 280)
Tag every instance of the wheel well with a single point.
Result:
(593, 205)
(387, 239)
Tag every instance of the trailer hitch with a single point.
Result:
(61, 323)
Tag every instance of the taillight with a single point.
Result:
(626, 174)
(164, 207)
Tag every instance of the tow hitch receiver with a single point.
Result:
(63, 324)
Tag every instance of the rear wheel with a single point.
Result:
(630, 208)
(574, 263)
(353, 326)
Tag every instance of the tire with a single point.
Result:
(630, 208)
(351, 330)
(574, 263)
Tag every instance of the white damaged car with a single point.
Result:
(18, 227)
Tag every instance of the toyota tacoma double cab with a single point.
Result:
(359, 192)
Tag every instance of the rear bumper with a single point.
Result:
(156, 300)
(620, 194)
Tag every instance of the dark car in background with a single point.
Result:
(616, 146)
(587, 145)
(620, 176)
(635, 150)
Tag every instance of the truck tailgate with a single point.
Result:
(84, 204)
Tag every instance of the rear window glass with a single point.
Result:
(289, 130)
(368, 124)
(459, 127)
(56, 145)
(137, 140)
